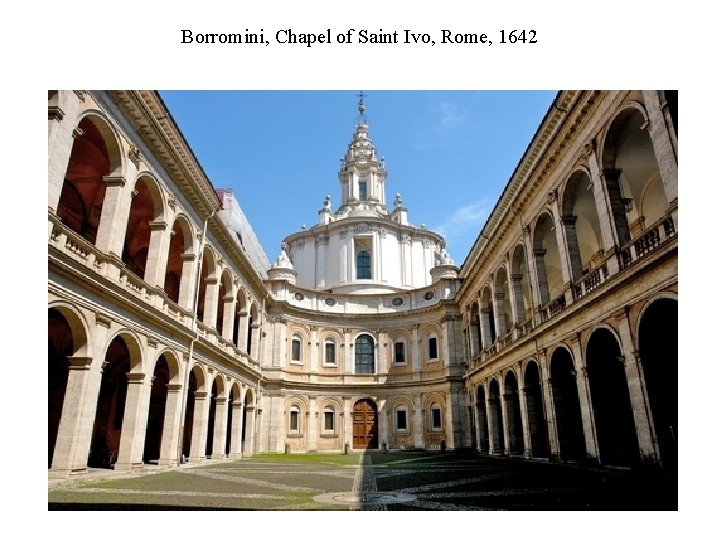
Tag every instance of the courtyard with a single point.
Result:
(425, 481)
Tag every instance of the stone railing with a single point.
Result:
(653, 237)
(552, 308)
(591, 281)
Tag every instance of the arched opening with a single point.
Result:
(547, 260)
(629, 169)
(189, 413)
(228, 429)
(211, 419)
(536, 411)
(475, 330)
(144, 209)
(245, 429)
(238, 319)
(365, 428)
(658, 342)
(502, 298)
(484, 436)
(582, 226)
(207, 291)
(512, 411)
(614, 423)
(487, 316)
(364, 354)
(156, 410)
(83, 191)
(224, 290)
(498, 430)
(521, 284)
(567, 405)
(179, 251)
(60, 349)
(110, 405)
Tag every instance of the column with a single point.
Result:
(255, 340)
(186, 296)
(236, 429)
(573, 250)
(228, 315)
(491, 424)
(211, 300)
(499, 312)
(525, 418)
(583, 388)
(516, 298)
(78, 416)
(549, 401)
(315, 350)
(113, 220)
(602, 206)
(171, 426)
(638, 393)
(665, 153)
(200, 427)
(220, 431)
(249, 448)
(417, 422)
(157, 254)
(312, 425)
(543, 294)
(62, 120)
(133, 432)
(506, 398)
(242, 331)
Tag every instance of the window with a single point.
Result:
(296, 350)
(363, 265)
(401, 419)
(364, 354)
(329, 419)
(435, 417)
(330, 352)
(294, 419)
(399, 352)
(362, 185)
(432, 348)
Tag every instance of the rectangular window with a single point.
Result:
(432, 348)
(330, 352)
(435, 413)
(329, 421)
(362, 185)
(399, 352)
(400, 419)
(295, 350)
(294, 420)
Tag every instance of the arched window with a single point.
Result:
(363, 265)
(364, 354)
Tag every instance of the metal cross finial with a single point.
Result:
(361, 103)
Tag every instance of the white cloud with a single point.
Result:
(450, 116)
(462, 227)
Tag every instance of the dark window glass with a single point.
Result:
(399, 352)
(294, 416)
(432, 345)
(436, 418)
(329, 420)
(329, 352)
(364, 355)
(295, 350)
(401, 421)
(363, 190)
(363, 265)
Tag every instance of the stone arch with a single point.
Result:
(657, 337)
(474, 328)
(547, 258)
(95, 156)
(610, 398)
(537, 425)
(161, 377)
(566, 403)
(122, 359)
(502, 295)
(240, 318)
(581, 224)
(67, 339)
(629, 165)
(217, 391)
(511, 396)
(520, 279)
(226, 296)
(178, 281)
(253, 326)
(207, 287)
(144, 228)
(488, 334)
(482, 420)
(497, 431)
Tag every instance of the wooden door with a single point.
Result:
(364, 425)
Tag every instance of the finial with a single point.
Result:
(361, 119)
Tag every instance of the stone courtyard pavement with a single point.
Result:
(392, 481)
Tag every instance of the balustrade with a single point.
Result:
(653, 237)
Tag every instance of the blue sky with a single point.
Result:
(448, 153)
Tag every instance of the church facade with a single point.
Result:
(171, 338)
